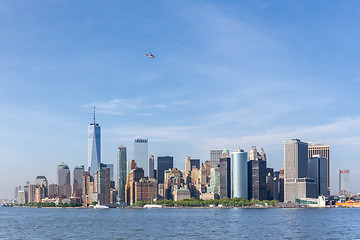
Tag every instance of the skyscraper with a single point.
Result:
(104, 184)
(63, 179)
(121, 173)
(151, 166)
(318, 170)
(141, 154)
(225, 175)
(215, 156)
(94, 147)
(239, 179)
(164, 163)
(297, 184)
(324, 151)
(77, 180)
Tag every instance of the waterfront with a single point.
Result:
(43, 223)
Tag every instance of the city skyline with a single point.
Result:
(229, 73)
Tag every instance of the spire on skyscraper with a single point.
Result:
(94, 113)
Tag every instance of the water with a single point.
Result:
(55, 223)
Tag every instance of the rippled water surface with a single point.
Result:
(44, 223)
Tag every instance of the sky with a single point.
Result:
(234, 73)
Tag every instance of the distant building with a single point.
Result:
(134, 175)
(111, 167)
(297, 183)
(318, 170)
(214, 181)
(344, 184)
(257, 179)
(198, 181)
(94, 147)
(145, 190)
(239, 173)
(173, 179)
(41, 180)
(141, 154)
(53, 190)
(104, 184)
(86, 186)
(324, 151)
(63, 179)
(208, 166)
(225, 177)
(181, 193)
(163, 163)
(31, 193)
(77, 180)
(122, 159)
(215, 156)
(22, 197)
(151, 166)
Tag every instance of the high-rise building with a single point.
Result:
(151, 166)
(86, 186)
(134, 176)
(77, 180)
(225, 177)
(41, 180)
(31, 193)
(104, 184)
(297, 184)
(63, 179)
(111, 167)
(239, 179)
(94, 147)
(214, 181)
(344, 184)
(324, 151)
(53, 190)
(257, 179)
(215, 156)
(141, 154)
(190, 164)
(121, 173)
(318, 171)
(163, 163)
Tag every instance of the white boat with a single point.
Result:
(99, 206)
(152, 206)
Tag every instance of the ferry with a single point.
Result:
(150, 206)
(99, 206)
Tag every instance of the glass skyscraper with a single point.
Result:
(141, 154)
(94, 150)
(121, 173)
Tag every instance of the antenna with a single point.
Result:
(94, 113)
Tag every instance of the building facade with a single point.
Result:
(77, 180)
(151, 166)
(239, 179)
(163, 163)
(141, 154)
(122, 160)
(94, 147)
(318, 170)
(63, 179)
(225, 177)
(324, 151)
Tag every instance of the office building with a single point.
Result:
(53, 190)
(324, 151)
(111, 167)
(257, 179)
(297, 184)
(214, 181)
(141, 154)
(318, 171)
(63, 179)
(151, 166)
(122, 160)
(225, 176)
(22, 197)
(215, 156)
(344, 184)
(163, 163)
(41, 180)
(94, 147)
(134, 176)
(103, 188)
(31, 193)
(86, 186)
(239, 179)
(77, 180)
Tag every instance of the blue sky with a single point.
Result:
(234, 73)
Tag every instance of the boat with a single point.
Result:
(150, 206)
(99, 206)
(348, 203)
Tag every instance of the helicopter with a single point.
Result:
(150, 55)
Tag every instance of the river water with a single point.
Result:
(62, 223)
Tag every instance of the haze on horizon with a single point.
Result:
(240, 74)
